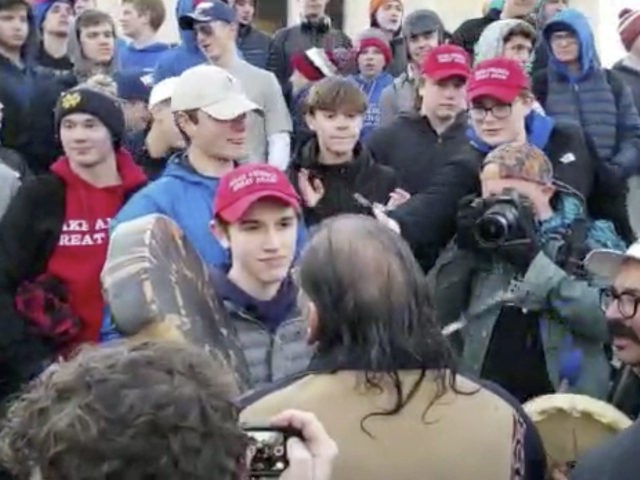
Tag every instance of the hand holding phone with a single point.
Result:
(267, 450)
(312, 452)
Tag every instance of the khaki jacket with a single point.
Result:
(476, 435)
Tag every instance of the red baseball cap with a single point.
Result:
(446, 61)
(245, 185)
(499, 78)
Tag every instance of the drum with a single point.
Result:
(571, 424)
(157, 287)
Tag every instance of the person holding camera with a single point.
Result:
(514, 280)
(175, 419)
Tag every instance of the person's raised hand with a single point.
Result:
(311, 457)
(311, 189)
(397, 198)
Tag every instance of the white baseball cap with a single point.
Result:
(606, 263)
(212, 90)
(162, 91)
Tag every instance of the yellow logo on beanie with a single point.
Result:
(70, 100)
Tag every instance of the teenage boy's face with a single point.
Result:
(371, 62)
(518, 48)
(245, 10)
(215, 39)
(225, 139)
(420, 45)
(85, 140)
(58, 19)
(263, 242)
(14, 28)
(565, 46)
(131, 21)
(496, 122)
(443, 99)
(98, 43)
(337, 132)
(389, 15)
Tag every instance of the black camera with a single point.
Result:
(500, 221)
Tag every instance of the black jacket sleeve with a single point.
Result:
(28, 233)
(427, 220)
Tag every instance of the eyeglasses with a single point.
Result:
(499, 111)
(568, 37)
(627, 302)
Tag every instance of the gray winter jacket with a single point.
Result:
(398, 98)
(271, 355)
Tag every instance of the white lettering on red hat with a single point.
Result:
(252, 178)
(451, 58)
(492, 73)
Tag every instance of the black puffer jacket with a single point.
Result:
(414, 150)
(361, 175)
(469, 31)
(298, 38)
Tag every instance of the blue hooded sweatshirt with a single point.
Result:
(575, 21)
(176, 60)
(373, 90)
(186, 197)
(143, 59)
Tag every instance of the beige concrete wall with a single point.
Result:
(602, 14)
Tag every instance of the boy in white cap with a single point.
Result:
(210, 109)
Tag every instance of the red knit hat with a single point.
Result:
(378, 43)
(629, 27)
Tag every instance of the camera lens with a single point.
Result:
(497, 223)
(492, 229)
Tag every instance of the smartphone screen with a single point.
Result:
(267, 452)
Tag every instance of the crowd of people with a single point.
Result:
(405, 237)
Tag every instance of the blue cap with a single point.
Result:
(41, 8)
(132, 85)
(206, 12)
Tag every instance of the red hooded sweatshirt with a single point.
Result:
(78, 258)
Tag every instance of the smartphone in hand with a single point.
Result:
(267, 450)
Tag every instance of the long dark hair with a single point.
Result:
(373, 308)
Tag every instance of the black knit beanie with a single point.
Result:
(86, 100)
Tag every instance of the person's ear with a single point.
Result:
(220, 233)
(311, 121)
(527, 103)
(549, 191)
(312, 323)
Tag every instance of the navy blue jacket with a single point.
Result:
(17, 86)
(254, 45)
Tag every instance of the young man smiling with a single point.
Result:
(257, 215)
(54, 237)
(216, 27)
(210, 108)
(333, 166)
